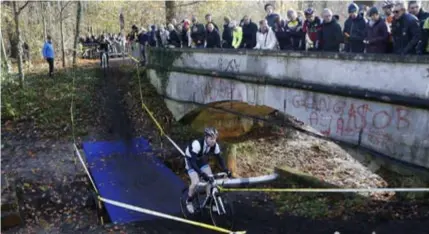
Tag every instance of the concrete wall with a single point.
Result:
(397, 131)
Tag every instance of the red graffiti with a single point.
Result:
(339, 107)
(381, 116)
(402, 121)
(321, 122)
(351, 118)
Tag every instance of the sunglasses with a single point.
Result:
(396, 12)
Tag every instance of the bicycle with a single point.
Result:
(218, 205)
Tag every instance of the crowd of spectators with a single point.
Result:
(398, 27)
(90, 44)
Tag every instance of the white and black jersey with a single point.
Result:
(197, 153)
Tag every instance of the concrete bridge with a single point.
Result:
(380, 102)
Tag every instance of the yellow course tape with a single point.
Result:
(324, 190)
(166, 216)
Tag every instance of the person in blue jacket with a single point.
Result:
(49, 54)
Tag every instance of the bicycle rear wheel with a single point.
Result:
(225, 217)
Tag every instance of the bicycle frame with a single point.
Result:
(214, 191)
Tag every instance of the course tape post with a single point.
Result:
(166, 216)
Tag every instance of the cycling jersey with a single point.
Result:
(196, 155)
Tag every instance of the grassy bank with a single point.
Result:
(42, 108)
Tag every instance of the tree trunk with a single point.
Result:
(4, 61)
(19, 45)
(77, 32)
(63, 50)
(170, 10)
(42, 12)
(13, 42)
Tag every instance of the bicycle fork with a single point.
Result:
(218, 202)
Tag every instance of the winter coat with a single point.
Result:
(377, 36)
(355, 28)
(330, 36)
(266, 41)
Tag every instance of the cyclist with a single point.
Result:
(104, 49)
(197, 163)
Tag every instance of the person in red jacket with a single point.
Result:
(311, 27)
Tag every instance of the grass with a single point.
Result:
(43, 106)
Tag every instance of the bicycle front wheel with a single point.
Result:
(222, 212)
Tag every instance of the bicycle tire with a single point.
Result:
(224, 220)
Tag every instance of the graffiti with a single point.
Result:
(220, 90)
(348, 119)
(228, 65)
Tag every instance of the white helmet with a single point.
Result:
(212, 132)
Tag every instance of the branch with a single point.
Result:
(65, 5)
(22, 8)
(188, 4)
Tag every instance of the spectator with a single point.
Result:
(414, 7)
(249, 33)
(425, 36)
(294, 27)
(174, 39)
(49, 54)
(143, 39)
(227, 34)
(186, 34)
(152, 36)
(265, 37)
(377, 33)
(311, 27)
(104, 48)
(405, 31)
(26, 52)
(354, 30)
(198, 33)
(237, 35)
(387, 8)
(330, 36)
(175, 25)
(163, 36)
(282, 34)
(271, 16)
(337, 17)
(213, 37)
(210, 20)
(134, 33)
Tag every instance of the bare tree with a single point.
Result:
(16, 12)
(170, 10)
(4, 63)
(62, 6)
(77, 32)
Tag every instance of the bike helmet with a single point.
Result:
(211, 132)
(387, 3)
(309, 11)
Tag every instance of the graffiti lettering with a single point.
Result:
(220, 90)
(228, 65)
(350, 118)
(311, 103)
(402, 121)
(382, 116)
